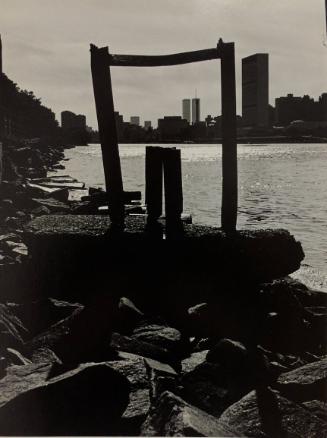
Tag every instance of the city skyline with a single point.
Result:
(46, 49)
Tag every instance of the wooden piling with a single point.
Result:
(108, 132)
(173, 188)
(229, 141)
(153, 182)
(0, 162)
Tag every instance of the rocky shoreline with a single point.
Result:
(197, 354)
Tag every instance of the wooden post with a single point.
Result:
(229, 141)
(108, 132)
(1, 170)
(153, 183)
(173, 189)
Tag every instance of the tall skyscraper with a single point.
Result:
(195, 110)
(135, 120)
(255, 90)
(186, 109)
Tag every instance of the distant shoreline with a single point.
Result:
(243, 140)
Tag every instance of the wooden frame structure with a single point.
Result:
(102, 60)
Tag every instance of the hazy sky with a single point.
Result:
(46, 49)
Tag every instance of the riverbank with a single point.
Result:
(244, 140)
(101, 337)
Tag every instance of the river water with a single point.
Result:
(280, 186)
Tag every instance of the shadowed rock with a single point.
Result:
(87, 402)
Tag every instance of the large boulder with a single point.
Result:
(162, 336)
(265, 414)
(84, 335)
(141, 374)
(172, 416)
(88, 400)
(306, 383)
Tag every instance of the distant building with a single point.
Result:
(186, 109)
(290, 108)
(135, 120)
(147, 124)
(172, 128)
(196, 110)
(74, 127)
(255, 90)
(70, 120)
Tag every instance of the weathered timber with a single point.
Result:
(153, 182)
(0, 162)
(108, 132)
(229, 142)
(173, 187)
(163, 60)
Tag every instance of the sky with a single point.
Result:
(46, 49)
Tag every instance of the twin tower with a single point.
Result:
(186, 109)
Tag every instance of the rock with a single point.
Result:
(230, 354)
(83, 336)
(41, 210)
(85, 401)
(162, 336)
(140, 373)
(44, 355)
(306, 383)
(37, 316)
(145, 349)
(212, 389)
(52, 204)
(16, 358)
(128, 316)
(20, 249)
(317, 408)
(213, 386)
(190, 363)
(267, 415)
(12, 330)
(172, 416)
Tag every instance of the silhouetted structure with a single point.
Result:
(74, 127)
(196, 117)
(101, 61)
(172, 128)
(255, 90)
(290, 108)
(135, 120)
(186, 110)
(147, 124)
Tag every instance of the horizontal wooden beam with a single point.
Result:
(163, 60)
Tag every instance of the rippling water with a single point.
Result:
(282, 185)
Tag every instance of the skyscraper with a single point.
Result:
(186, 109)
(255, 90)
(195, 110)
(135, 120)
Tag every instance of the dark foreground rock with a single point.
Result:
(266, 414)
(306, 383)
(142, 374)
(172, 416)
(86, 401)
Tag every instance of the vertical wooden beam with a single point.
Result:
(1, 170)
(108, 132)
(153, 182)
(173, 189)
(229, 141)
